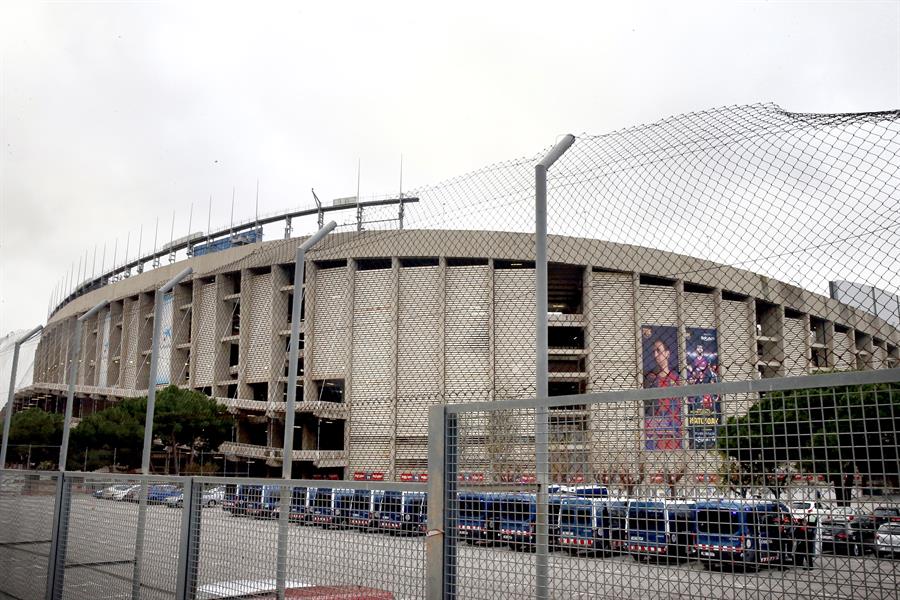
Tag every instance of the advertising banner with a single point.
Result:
(164, 365)
(104, 351)
(704, 412)
(662, 417)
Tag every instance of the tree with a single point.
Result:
(114, 434)
(35, 436)
(835, 431)
(182, 419)
(186, 419)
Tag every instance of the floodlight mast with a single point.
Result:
(12, 392)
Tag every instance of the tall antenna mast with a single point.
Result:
(231, 224)
(190, 248)
(209, 219)
(94, 263)
(358, 205)
(127, 245)
(140, 267)
(172, 239)
(115, 254)
(256, 216)
(321, 214)
(155, 242)
(103, 260)
(401, 191)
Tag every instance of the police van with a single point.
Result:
(661, 529)
(746, 533)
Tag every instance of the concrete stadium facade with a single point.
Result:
(396, 321)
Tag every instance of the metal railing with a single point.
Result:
(797, 496)
(206, 537)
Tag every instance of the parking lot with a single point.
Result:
(102, 537)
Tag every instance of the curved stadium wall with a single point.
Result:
(396, 321)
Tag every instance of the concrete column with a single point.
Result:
(680, 325)
(442, 327)
(352, 266)
(195, 326)
(243, 388)
(751, 331)
(309, 318)
(395, 333)
(638, 354)
(492, 334)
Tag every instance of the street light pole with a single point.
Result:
(12, 392)
(287, 452)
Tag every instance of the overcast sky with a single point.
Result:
(115, 114)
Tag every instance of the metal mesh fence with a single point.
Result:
(99, 551)
(348, 539)
(797, 498)
(742, 244)
(27, 502)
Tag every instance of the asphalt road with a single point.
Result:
(101, 542)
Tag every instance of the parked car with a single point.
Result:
(157, 494)
(132, 495)
(213, 496)
(210, 497)
(809, 510)
(846, 513)
(887, 540)
(853, 535)
(175, 501)
(886, 514)
(115, 492)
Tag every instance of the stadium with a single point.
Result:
(395, 321)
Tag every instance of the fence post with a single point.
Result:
(56, 561)
(287, 452)
(188, 544)
(541, 414)
(12, 394)
(434, 539)
(440, 543)
(74, 356)
(148, 430)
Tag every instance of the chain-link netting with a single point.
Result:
(796, 497)
(734, 245)
(27, 502)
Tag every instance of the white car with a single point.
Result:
(887, 540)
(840, 513)
(210, 497)
(809, 510)
(213, 496)
(116, 492)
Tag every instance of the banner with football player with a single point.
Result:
(662, 417)
(704, 412)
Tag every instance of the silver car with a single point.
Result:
(887, 540)
(210, 497)
(213, 496)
